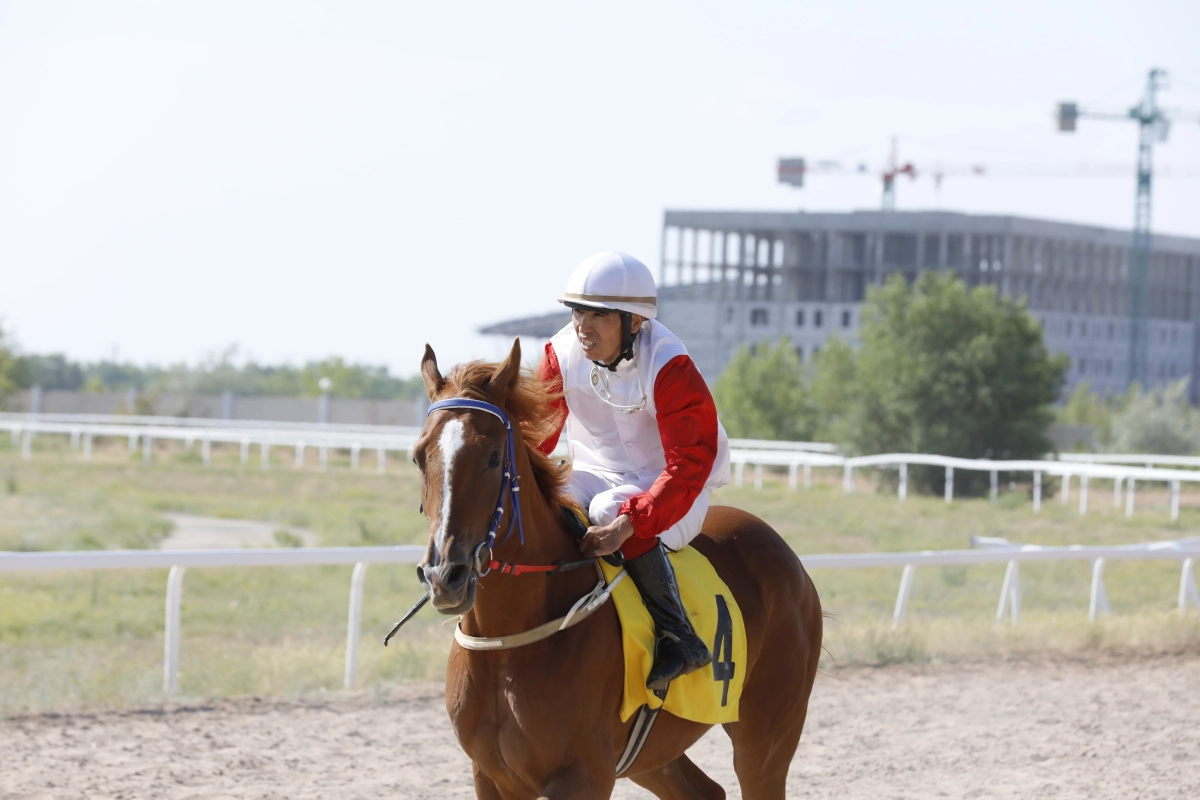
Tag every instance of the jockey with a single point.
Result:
(645, 443)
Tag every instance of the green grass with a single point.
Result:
(94, 639)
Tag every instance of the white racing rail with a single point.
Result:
(1122, 475)
(995, 551)
(84, 429)
(798, 457)
(179, 560)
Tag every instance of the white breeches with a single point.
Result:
(603, 494)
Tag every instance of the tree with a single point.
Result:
(761, 394)
(832, 391)
(948, 371)
(1086, 408)
(1159, 421)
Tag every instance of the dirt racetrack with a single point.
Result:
(1030, 729)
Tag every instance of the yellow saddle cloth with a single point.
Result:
(709, 695)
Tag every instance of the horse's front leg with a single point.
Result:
(580, 781)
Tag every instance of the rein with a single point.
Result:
(510, 489)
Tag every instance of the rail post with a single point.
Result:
(245, 451)
(75, 434)
(1099, 599)
(808, 476)
(1083, 494)
(171, 630)
(298, 461)
(354, 624)
(995, 485)
(949, 484)
(355, 449)
(758, 477)
(1066, 489)
(1131, 485)
(1174, 501)
(848, 479)
(205, 451)
(147, 449)
(1010, 593)
(903, 482)
(1037, 491)
(902, 596)
(1116, 492)
(380, 460)
(1187, 586)
(792, 476)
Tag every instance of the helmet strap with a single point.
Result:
(626, 353)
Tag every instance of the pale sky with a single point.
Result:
(358, 178)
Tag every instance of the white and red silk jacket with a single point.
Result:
(675, 446)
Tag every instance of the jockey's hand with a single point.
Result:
(601, 540)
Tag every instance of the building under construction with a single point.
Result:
(731, 278)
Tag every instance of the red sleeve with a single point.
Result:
(687, 423)
(551, 373)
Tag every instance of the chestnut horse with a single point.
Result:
(542, 720)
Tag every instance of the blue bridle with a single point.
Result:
(510, 485)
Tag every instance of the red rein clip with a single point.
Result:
(504, 568)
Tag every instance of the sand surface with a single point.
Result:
(1023, 729)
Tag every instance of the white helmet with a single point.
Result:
(613, 280)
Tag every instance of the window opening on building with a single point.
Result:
(818, 318)
(729, 314)
(800, 318)
(758, 316)
(845, 319)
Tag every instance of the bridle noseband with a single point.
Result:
(510, 484)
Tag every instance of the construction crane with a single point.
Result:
(1154, 125)
(793, 171)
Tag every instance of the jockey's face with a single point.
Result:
(599, 332)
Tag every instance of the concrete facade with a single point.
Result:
(734, 278)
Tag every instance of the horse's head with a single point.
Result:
(461, 458)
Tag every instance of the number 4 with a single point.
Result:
(722, 666)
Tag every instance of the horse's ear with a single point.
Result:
(434, 382)
(505, 376)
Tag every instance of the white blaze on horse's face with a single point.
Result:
(449, 443)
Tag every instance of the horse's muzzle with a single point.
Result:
(451, 585)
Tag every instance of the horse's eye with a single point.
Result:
(494, 461)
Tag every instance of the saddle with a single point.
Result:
(709, 695)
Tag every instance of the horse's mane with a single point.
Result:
(533, 406)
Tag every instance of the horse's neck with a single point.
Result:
(506, 604)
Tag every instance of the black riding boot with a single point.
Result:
(678, 650)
